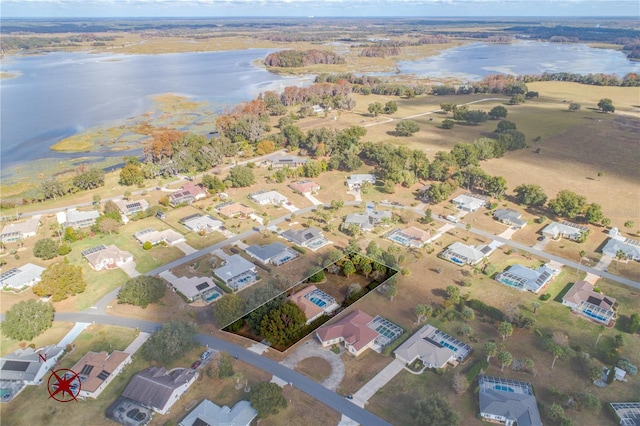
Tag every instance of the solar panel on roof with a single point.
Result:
(86, 370)
(103, 375)
(200, 422)
(132, 206)
(91, 250)
(10, 273)
(202, 286)
(15, 366)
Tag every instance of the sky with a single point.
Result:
(318, 8)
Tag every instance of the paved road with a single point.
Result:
(301, 382)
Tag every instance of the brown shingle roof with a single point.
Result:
(352, 328)
(93, 364)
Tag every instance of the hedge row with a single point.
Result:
(489, 311)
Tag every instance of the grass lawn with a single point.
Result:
(315, 368)
(50, 337)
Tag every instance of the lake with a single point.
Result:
(60, 94)
(476, 60)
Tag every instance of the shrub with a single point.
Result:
(147, 245)
(476, 369)
(545, 297)
(299, 249)
(64, 250)
(489, 311)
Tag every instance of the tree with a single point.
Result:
(453, 294)
(390, 107)
(505, 125)
(213, 183)
(141, 291)
(241, 176)
(27, 320)
(317, 276)
(447, 107)
(423, 312)
(434, 410)
(497, 112)
(605, 221)
(93, 178)
(173, 340)
(392, 292)
(266, 398)
(476, 116)
(448, 123)
(629, 224)
(601, 330)
(107, 225)
(490, 350)
(111, 208)
(557, 352)
(228, 308)
(587, 401)
(528, 364)
(606, 105)
(348, 268)
(265, 147)
(505, 329)
(459, 383)
(633, 325)
(505, 359)
(535, 306)
(595, 373)
(555, 412)
(593, 214)
(407, 128)
(225, 366)
(45, 249)
(530, 195)
(467, 314)
(282, 324)
(375, 109)
(131, 174)
(574, 106)
(60, 280)
(516, 99)
(568, 203)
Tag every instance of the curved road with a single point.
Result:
(317, 391)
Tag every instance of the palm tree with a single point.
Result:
(528, 363)
(535, 306)
(392, 292)
(467, 314)
(505, 359)
(620, 255)
(505, 329)
(601, 330)
(490, 349)
(557, 352)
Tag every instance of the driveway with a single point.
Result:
(508, 233)
(540, 245)
(186, 248)
(129, 268)
(313, 199)
(356, 194)
(361, 397)
(312, 348)
(290, 207)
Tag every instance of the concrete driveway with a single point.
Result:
(129, 268)
(361, 397)
(313, 199)
(312, 348)
(186, 248)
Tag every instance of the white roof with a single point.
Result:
(359, 179)
(209, 413)
(19, 277)
(74, 216)
(564, 228)
(631, 248)
(234, 266)
(28, 227)
(272, 196)
(470, 252)
(468, 201)
(192, 287)
(199, 222)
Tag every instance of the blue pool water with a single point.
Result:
(504, 388)
(447, 345)
(318, 302)
(509, 282)
(592, 315)
(456, 260)
(211, 297)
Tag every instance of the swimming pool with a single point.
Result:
(212, 296)
(457, 261)
(449, 346)
(321, 303)
(504, 388)
(590, 314)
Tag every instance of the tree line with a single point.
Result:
(302, 58)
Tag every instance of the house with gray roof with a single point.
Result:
(24, 276)
(627, 412)
(469, 202)
(268, 197)
(510, 217)
(19, 231)
(106, 257)
(292, 161)
(77, 219)
(237, 272)
(28, 366)
(158, 388)
(523, 278)
(357, 180)
(311, 238)
(274, 253)
(168, 236)
(568, 230)
(508, 402)
(198, 222)
(209, 414)
(129, 207)
(462, 254)
(368, 220)
(433, 347)
(630, 247)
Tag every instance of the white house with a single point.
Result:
(158, 388)
(198, 222)
(168, 236)
(106, 257)
(196, 287)
(368, 220)
(19, 231)
(291, 161)
(628, 246)
(523, 278)
(208, 413)
(77, 219)
(97, 369)
(29, 366)
(508, 402)
(510, 217)
(567, 230)
(24, 276)
(129, 207)
(469, 202)
(428, 344)
(357, 180)
(306, 186)
(268, 197)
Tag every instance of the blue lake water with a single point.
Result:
(476, 60)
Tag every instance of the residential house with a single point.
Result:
(423, 193)
(237, 272)
(129, 207)
(357, 180)
(523, 278)
(207, 413)
(158, 388)
(304, 187)
(198, 222)
(168, 236)
(409, 237)
(433, 347)
(76, 219)
(566, 230)
(508, 402)
(469, 202)
(97, 369)
(359, 331)
(231, 209)
(28, 366)
(268, 197)
(627, 412)
(510, 217)
(24, 276)
(628, 246)
(594, 306)
(274, 253)
(106, 257)
(19, 231)
(462, 254)
(291, 161)
(196, 288)
(368, 220)
(314, 302)
(311, 238)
